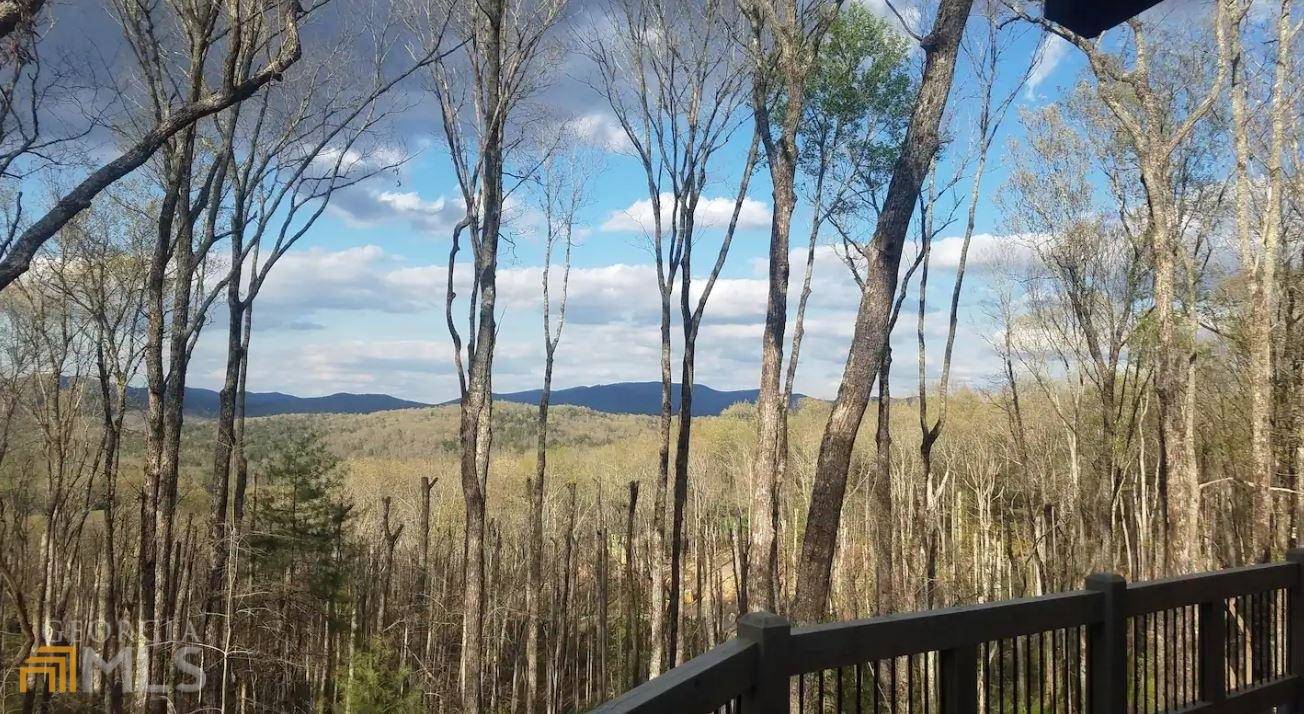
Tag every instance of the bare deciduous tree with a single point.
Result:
(480, 91)
(671, 77)
(784, 40)
(562, 187)
(172, 112)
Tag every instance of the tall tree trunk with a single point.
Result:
(680, 491)
(884, 524)
(631, 592)
(534, 574)
(794, 67)
(1172, 374)
(167, 577)
(1260, 261)
(159, 466)
(679, 485)
(113, 411)
(660, 561)
(219, 486)
(771, 416)
(691, 314)
(477, 403)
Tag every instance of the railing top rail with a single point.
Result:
(704, 683)
(1183, 590)
(841, 644)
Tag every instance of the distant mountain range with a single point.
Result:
(620, 398)
(639, 398)
(204, 403)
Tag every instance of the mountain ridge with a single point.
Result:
(616, 398)
(637, 398)
(202, 402)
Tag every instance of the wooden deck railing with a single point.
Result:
(1226, 641)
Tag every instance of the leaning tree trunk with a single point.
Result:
(870, 335)
(179, 120)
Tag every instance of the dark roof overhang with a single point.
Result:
(1089, 18)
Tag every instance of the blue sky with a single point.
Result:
(358, 305)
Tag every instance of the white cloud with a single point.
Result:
(359, 278)
(362, 319)
(351, 159)
(366, 278)
(603, 131)
(909, 10)
(986, 251)
(711, 213)
(1050, 55)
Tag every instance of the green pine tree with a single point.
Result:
(303, 519)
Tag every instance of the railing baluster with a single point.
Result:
(960, 680)
(1213, 651)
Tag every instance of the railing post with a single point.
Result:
(1213, 651)
(1107, 646)
(1295, 626)
(960, 680)
(770, 633)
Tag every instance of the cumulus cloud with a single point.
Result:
(359, 278)
(366, 278)
(352, 159)
(1050, 55)
(711, 213)
(601, 130)
(316, 298)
